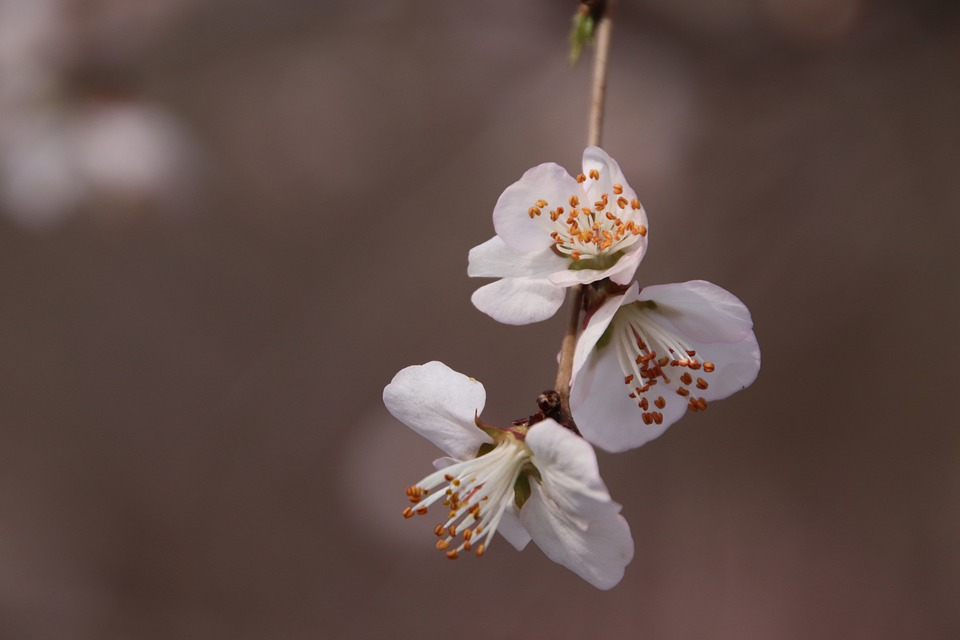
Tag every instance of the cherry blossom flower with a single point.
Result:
(649, 355)
(539, 482)
(556, 231)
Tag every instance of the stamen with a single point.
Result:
(649, 351)
(477, 489)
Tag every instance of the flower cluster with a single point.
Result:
(644, 357)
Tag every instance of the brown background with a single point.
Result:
(192, 442)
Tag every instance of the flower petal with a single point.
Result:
(610, 174)
(568, 468)
(603, 410)
(548, 182)
(519, 300)
(598, 553)
(596, 327)
(621, 273)
(439, 404)
(700, 310)
(494, 259)
(512, 530)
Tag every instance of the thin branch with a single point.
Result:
(575, 297)
(599, 88)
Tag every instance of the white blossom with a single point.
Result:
(539, 482)
(651, 354)
(555, 231)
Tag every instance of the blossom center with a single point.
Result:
(652, 355)
(476, 492)
(591, 231)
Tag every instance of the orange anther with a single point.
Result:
(708, 367)
(581, 178)
(533, 212)
(660, 402)
(618, 189)
(541, 203)
(622, 202)
(634, 204)
(594, 174)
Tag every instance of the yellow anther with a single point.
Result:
(534, 212)
(574, 201)
(541, 203)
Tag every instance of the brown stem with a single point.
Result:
(567, 346)
(595, 124)
(599, 87)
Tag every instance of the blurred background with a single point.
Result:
(224, 226)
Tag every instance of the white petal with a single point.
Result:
(519, 300)
(603, 410)
(568, 468)
(621, 273)
(701, 311)
(610, 174)
(439, 404)
(597, 325)
(494, 259)
(511, 218)
(512, 530)
(598, 554)
(626, 267)
(738, 364)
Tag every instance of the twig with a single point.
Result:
(575, 297)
